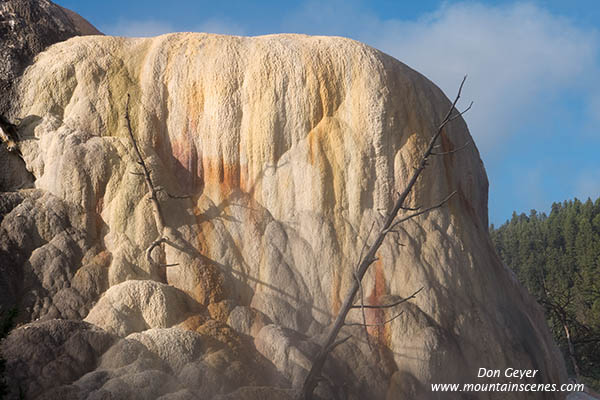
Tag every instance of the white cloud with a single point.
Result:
(519, 57)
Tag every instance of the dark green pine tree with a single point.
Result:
(557, 258)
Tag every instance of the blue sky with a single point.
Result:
(534, 71)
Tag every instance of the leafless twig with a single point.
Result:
(314, 374)
(362, 309)
(153, 191)
(453, 151)
(376, 324)
(394, 304)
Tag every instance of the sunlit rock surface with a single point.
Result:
(292, 149)
(27, 27)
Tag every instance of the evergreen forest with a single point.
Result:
(557, 258)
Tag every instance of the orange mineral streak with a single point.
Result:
(466, 205)
(186, 168)
(185, 148)
(196, 172)
(377, 316)
(218, 173)
(447, 146)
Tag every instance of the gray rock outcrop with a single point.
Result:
(27, 27)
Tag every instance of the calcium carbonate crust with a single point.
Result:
(292, 148)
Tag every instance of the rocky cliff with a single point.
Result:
(291, 149)
(26, 28)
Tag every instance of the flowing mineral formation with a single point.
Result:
(291, 149)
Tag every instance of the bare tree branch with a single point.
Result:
(411, 208)
(411, 216)
(158, 217)
(313, 375)
(376, 324)
(364, 246)
(394, 304)
(155, 244)
(341, 341)
(362, 307)
(461, 113)
(153, 191)
(162, 189)
(453, 151)
(185, 196)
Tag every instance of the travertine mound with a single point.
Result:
(135, 306)
(292, 148)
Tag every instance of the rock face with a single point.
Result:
(292, 148)
(27, 27)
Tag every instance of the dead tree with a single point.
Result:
(9, 135)
(390, 225)
(154, 191)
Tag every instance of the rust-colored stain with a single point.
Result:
(188, 163)
(219, 173)
(187, 169)
(194, 172)
(466, 205)
(377, 316)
